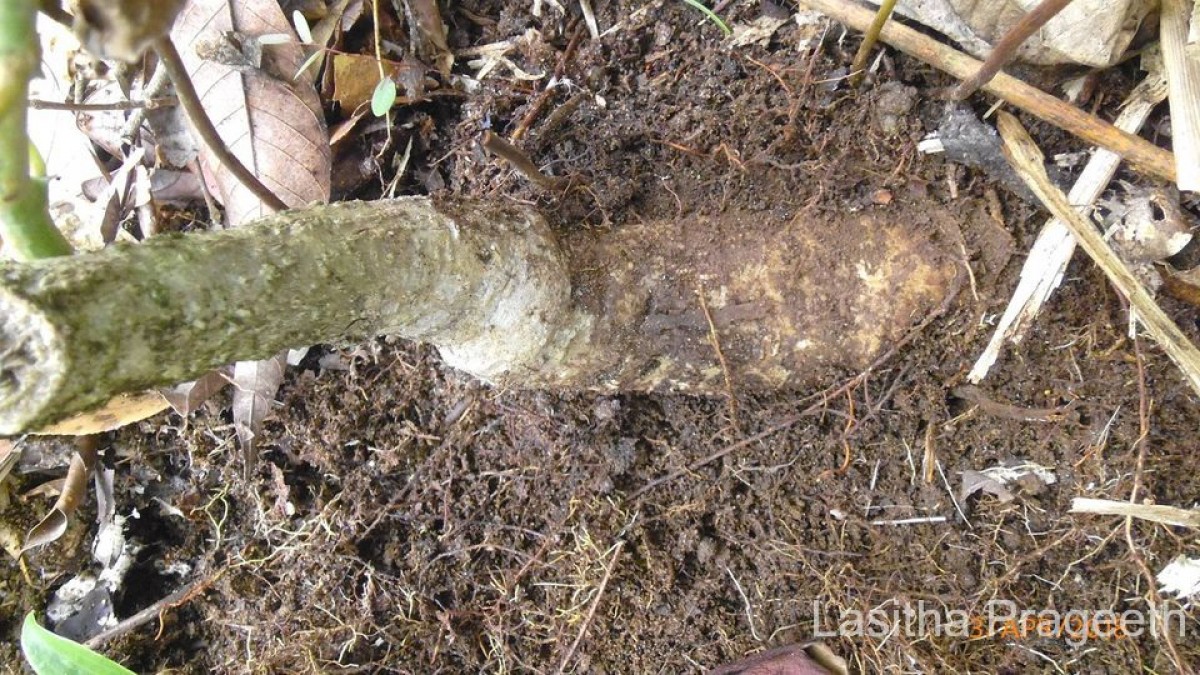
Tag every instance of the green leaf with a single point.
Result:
(50, 654)
(711, 15)
(384, 97)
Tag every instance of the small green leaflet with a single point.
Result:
(384, 97)
(50, 654)
(711, 15)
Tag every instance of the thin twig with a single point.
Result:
(1047, 261)
(1145, 156)
(208, 133)
(38, 104)
(858, 67)
(155, 86)
(510, 153)
(746, 603)
(1004, 50)
(157, 609)
(587, 620)
(975, 396)
(927, 520)
(847, 451)
(535, 108)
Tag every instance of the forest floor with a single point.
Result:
(406, 518)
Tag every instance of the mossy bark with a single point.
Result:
(489, 285)
(485, 282)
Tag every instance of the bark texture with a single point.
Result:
(483, 281)
(791, 301)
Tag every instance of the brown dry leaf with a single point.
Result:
(271, 122)
(800, 659)
(427, 34)
(73, 490)
(255, 384)
(119, 411)
(1182, 285)
(186, 397)
(355, 77)
(323, 33)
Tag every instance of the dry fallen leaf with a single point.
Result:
(996, 479)
(255, 384)
(186, 397)
(73, 490)
(1090, 32)
(800, 659)
(427, 34)
(271, 122)
(355, 77)
(119, 411)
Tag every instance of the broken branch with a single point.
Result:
(1145, 156)
(1027, 159)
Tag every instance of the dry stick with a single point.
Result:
(1183, 78)
(1051, 252)
(1027, 160)
(858, 67)
(155, 610)
(1145, 156)
(37, 104)
(1004, 50)
(540, 102)
(510, 153)
(1155, 513)
(190, 101)
(587, 620)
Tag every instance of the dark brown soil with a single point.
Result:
(405, 518)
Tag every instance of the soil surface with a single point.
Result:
(405, 518)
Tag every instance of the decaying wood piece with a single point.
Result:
(1028, 160)
(1052, 250)
(1156, 513)
(1183, 77)
(489, 285)
(1146, 157)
